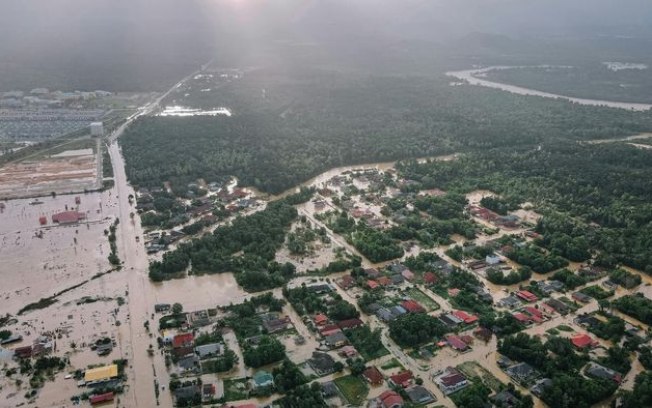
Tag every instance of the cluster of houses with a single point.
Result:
(509, 221)
(332, 333)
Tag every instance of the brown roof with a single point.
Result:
(373, 375)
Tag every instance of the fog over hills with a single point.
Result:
(145, 44)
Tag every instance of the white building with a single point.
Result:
(97, 129)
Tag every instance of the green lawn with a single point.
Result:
(393, 363)
(353, 389)
(423, 299)
(233, 391)
(473, 369)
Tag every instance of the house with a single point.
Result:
(329, 389)
(372, 272)
(504, 362)
(527, 296)
(452, 380)
(372, 284)
(320, 288)
(456, 343)
(558, 306)
(402, 379)
(398, 310)
(68, 217)
(183, 340)
(419, 395)
(346, 282)
(188, 364)
(385, 314)
(408, 275)
(540, 386)
(208, 392)
(329, 329)
(262, 379)
(162, 307)
(373, 375)
(509, 302)
(23, 352)
(398, 268)
(187, 393)
(100, 398)
(274, 324)
(412, 306)
(322, 363)
(599, 371)
(522, 318)
(450, 320)
(521, 372)
(101, 374)
(534, 312)
(465, 317)
(452, 292)
(384, 281)
(348, 351)
(320, 319)
(390, 399)
(209, 350)
(336, 340)
(350, 324)
(582, 341)
(429, 278)
(504, 399)
(492, 259)
(397, 279)
(581, 297)
(483, 333)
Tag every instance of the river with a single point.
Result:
(474, 77)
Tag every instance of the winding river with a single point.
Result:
(474, 77)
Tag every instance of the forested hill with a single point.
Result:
(307, 126)
(593, 197)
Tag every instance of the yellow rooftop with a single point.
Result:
(101, 373)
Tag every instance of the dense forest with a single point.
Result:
(309, 120)
(246, 247)
(590, 197)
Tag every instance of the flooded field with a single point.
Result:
(67, 171)
(183, 111)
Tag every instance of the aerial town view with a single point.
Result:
(269, 205)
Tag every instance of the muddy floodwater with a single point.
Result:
(475, 77)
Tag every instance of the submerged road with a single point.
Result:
(144, 372)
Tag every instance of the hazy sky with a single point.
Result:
(135, 35)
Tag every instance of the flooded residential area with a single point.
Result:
(374, 204)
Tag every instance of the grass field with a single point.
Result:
(353, 389)
(473, 369)
(423, 299)
(233, 391)
(393, 363)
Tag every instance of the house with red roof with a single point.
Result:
(457, 343)
(327, 328)
(390, 399)
(373, 376)
(408, 274)
(582, 341)
(346, 282)
(412, 306)
(527, 296)
(372, 284)
(68, 217)
(350, 324)
(533, 311)
(402, 379)
(348, 351)
(429, 278)
(465, 317)
(384, 281)
(100, 398)
(522, 318)
(330, 332)
(183, 340)
(320, 319)
(453, 292)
